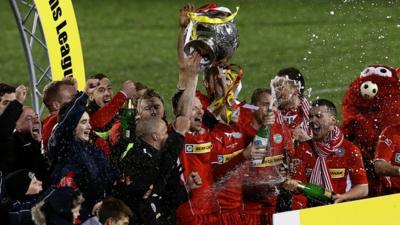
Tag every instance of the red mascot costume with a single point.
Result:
(371, 103)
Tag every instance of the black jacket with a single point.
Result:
(18, 150)
(91, 168)
(19, 212)
(8, 120)
(147, 166)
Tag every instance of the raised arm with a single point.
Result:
(65, 127)
(11, 114)
(104, 115)
(183, 22)
(190, 71)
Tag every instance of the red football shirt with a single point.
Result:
(232, 139)
(347, 161)
(196, 157)
(48, 124)
(388, 149)
(100, 118)
(258, 194)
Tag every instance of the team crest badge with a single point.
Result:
(220, 159)
(236, 135)
(202, 131)
(278, 138)
(188, 148)
(340, 152)
(397, 157)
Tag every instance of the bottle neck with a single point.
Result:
(130, 104)
(263, 132)
(301, 186)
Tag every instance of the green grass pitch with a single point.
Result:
(329, 41)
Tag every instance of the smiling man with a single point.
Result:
(327, 160)
(104, 107)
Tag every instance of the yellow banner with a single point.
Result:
(62, 39)
(373, 211)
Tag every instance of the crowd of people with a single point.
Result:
(108, 158)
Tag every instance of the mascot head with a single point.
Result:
(375, 83)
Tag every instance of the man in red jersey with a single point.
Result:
(327, 160)
(56, 94)
(230, 138)
(195, 157)
(387, 159)
(293, 106)
(260, 197)
(103, 108)
(229, 166)
(229, 163)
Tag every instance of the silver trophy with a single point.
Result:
(216, 43)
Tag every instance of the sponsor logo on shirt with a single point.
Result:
(397, 157)
(337, 173)
(268, 161)
(198, 148)
(225, 158)
(278, 138)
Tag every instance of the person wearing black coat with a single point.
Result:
(74, 160)
(23, 191)
(60, 208)
(152, 173)
(10, 111)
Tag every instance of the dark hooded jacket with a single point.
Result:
(147, 166)
(19, 212)
(90, 167)
(8, 120)
(18, 150)
(56, 209)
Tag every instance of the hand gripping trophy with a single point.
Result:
(212, 32)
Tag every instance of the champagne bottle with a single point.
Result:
(127, 118)
(316, 192)
(261, 140)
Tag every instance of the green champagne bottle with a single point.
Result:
(128, 115)
(261, 140)
(316, 192)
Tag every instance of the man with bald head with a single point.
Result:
(152, 174)
(153, 131)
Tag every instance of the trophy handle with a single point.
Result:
(205, 47)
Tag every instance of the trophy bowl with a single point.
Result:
(216, 43)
